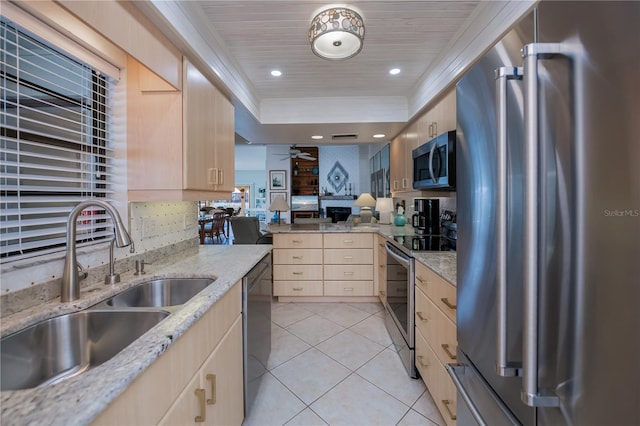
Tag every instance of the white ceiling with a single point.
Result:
(240, 42)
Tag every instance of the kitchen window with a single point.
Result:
(55, 145)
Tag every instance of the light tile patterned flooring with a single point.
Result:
(333, 364)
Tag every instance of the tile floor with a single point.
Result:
(333, 364)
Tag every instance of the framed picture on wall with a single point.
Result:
(273, 195)
(277, 180)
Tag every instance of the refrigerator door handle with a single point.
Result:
(534, 195)
(504, 367)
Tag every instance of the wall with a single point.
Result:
(340, 169)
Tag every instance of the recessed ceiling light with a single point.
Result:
(276, 73)
(379, 135)
(394, 71)
(317, 137)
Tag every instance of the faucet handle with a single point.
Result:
(82, 273)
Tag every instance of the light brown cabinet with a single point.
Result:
(439, 119)
(180, 144)
(348, 264)
(297, 265)
(214, 396)
(436, 342)
(165, 392)
(330, 264)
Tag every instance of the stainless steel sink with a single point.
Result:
(160, 293)
(65, 346)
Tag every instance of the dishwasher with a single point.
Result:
(256, 317)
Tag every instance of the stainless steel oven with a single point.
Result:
(400, 305)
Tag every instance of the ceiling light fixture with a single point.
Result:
(336, 33)
(276, 73)
(317, 137)
(394, 71)
(379, 135)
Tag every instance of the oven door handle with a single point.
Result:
(399, 258)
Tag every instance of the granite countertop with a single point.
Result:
(80, 399)
(442, 263)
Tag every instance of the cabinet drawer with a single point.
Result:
(439, 331)
(348, 288)
(297, 256)
(437, 380)
(348, 257)
(297, 272)
(437, 289)
(302, 288)
(348, 240)
(297, 241)
(348, 272)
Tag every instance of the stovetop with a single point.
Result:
(426, 242)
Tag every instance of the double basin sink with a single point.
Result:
(58, 348)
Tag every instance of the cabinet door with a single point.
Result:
(209, 155)
(222, 380)
(215, 394)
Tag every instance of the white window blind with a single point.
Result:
(55, 147)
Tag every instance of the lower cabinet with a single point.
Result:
(214, 396)
(199, 379)
(436, 342)
(381, 268)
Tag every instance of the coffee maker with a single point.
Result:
(426, 219)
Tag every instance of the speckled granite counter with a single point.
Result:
(442, 263)
(80, 399)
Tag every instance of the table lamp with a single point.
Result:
(365, 201)
(384, 206)
(278, 205)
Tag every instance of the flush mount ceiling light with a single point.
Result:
(336, 33)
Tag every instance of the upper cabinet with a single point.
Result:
(180, 145)
(208, 135)
(439, 119)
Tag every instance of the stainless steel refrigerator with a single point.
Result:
(549, 221)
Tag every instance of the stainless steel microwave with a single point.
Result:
(434, 164)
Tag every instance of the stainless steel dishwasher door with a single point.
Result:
(256, 312)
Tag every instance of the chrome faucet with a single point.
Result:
(70, 277)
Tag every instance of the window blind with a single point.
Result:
(55, 147)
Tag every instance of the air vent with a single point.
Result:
(344, 136)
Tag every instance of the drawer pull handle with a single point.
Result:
(447, 303)
(296, 241)
(203, 413)
(446, 404)
(348, 257)
(297, 257)
(297, 289)
(348, 272)
(445, 347)
(382, 292)
(297, 273)
(419, 315)
(212, 379)
(422, 364)
(348, 289)
(382, 266)
(419, 278)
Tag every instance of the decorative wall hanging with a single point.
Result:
(338, 177)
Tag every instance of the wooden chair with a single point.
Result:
(215, 228)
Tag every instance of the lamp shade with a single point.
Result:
(336, 33)
(279, 204)
(365, 200)
(384, 204)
